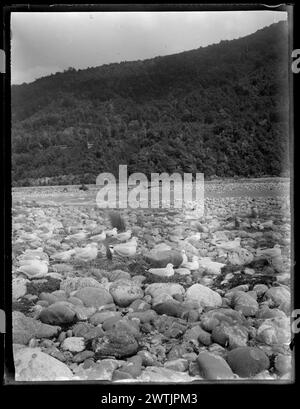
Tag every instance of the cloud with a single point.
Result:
(43, 43)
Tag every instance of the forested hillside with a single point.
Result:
(222, 110)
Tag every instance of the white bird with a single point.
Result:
(184, 257)
(35, 254)
(124, 236)
(168, 271)
(34, 268)
(272, 253)
(63, 255)
(125, 249)
(191, 265)
(87, 253)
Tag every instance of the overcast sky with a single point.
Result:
(44, 43)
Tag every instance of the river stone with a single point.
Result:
(204, 296)
(82, 356)
(171, 289)
(213, 367)
(101, 370)
(31, 364)
(274, 331)
(170, 307)
(244, 303)
(26, 328)
(155, 374)
(73, 344)
(115, 343)
(144, 316)
(133, 366)
(76, 283)
(283, 364)
(139, 305)
(179, 365)
(247, 361)
(124, 292)
(102, 316)
(94, 296)
(19, 287)
(233, 335)
(278, 295)
(58, 313)
(160, 259)
(240, 257)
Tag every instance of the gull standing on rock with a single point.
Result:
(168, 271)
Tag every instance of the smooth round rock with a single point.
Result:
(124, 292)
(247, 361)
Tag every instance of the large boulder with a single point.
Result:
(94, 296)
(124, 292)
(204, 296)
(160, 259)
(26, 328)
(31, 364)
(58, 313)
(115, 343)
(247, 361)
(213, 367)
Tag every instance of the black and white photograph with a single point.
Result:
(151, 200)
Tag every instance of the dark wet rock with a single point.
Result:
(82, 356)
(119, 375)
(81, 328)
(110, 322)
(115, 343)
(116, 275)
(127, 326)
(244, 303)
(124, 292)
(49, 297)
(170, 327)
(144, 316)
(172, 308)
(247, 361)
(55, 353)
(26, 328)
(160, 259)
(133, 366)
(102, 316)
(48, 285)
(94, 296)
(58, 313)
(213, 367)
(139, 305)
(204, 337)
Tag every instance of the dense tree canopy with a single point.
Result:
(222, 110)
